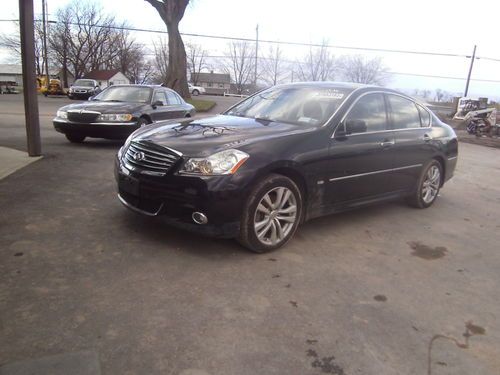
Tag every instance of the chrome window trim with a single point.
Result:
(378, 131)
(374, 172)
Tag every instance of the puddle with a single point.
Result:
(426, 252)
(380, 298)
(18, 254)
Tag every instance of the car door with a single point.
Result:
(413, 139)
(174, 107)
(159, 112)
(361, 153)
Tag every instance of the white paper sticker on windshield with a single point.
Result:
(330, 94)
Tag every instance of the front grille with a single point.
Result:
(85, 117)
(150, 159)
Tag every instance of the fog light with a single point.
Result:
(199, 218)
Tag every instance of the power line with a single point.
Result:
(129, 28)
(302, 44)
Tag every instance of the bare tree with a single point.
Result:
(273, 67)
(318, 65)
(239, 63)
(196, 56)
(161, 59)
(359, 69)
(86, 39)
(12, 43)
(171, 12)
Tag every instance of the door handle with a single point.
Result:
(427, 137)
(387, 143)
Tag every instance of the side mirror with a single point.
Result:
(355, 126)
(158, 103)
(91, 98)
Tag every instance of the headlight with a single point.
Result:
(115, 117)
(62, 114)
(224, 162)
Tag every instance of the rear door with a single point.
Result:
(413, 139)
(360, 161)
(174, 108)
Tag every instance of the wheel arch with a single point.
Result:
(298, 178)
(147, 118)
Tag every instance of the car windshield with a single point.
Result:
(125, 94)
(84, 82)
(295, 105)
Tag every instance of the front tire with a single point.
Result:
(196, 92)
(75, 138)
(271, 215)
(428, 185)
(143, 122)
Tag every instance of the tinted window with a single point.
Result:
(370, 110)
(160, 97)
(425, 117)
(404, 113)
(172, 98)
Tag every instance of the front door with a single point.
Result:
(361, 153)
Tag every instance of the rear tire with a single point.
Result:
(428, 185)
(271, 214)
(75, 138)
(196, 92)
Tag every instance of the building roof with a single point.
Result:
(214, 77)
(11, 69)
(102, 75)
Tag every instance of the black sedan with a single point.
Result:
(119, 110)
(286, 155)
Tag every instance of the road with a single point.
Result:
(372, 291)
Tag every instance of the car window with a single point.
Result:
(425, 116)
(172, 98)
(370, 110)
(294, 105)
(160, 97)
(404, 113)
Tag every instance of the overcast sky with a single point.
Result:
(435, 26)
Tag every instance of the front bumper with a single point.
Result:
(175, 198)
(106, 130)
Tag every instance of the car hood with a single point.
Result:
(104, 107)
(202, 137)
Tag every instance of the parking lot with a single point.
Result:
(381, 290)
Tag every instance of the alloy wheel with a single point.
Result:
(430, 185)
(275, 216)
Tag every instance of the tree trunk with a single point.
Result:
(177, 66)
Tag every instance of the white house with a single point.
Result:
(108, 77)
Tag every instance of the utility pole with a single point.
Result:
(256, 54)
(26, 22)
(473, 57)
(45, 59)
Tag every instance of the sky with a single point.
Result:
(441, 26)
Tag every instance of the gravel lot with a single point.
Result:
(382, 290)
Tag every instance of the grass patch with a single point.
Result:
(201, 105)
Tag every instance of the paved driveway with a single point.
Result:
(372, 291)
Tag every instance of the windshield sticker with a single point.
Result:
(330, 94)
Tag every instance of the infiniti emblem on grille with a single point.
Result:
(139, 156)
